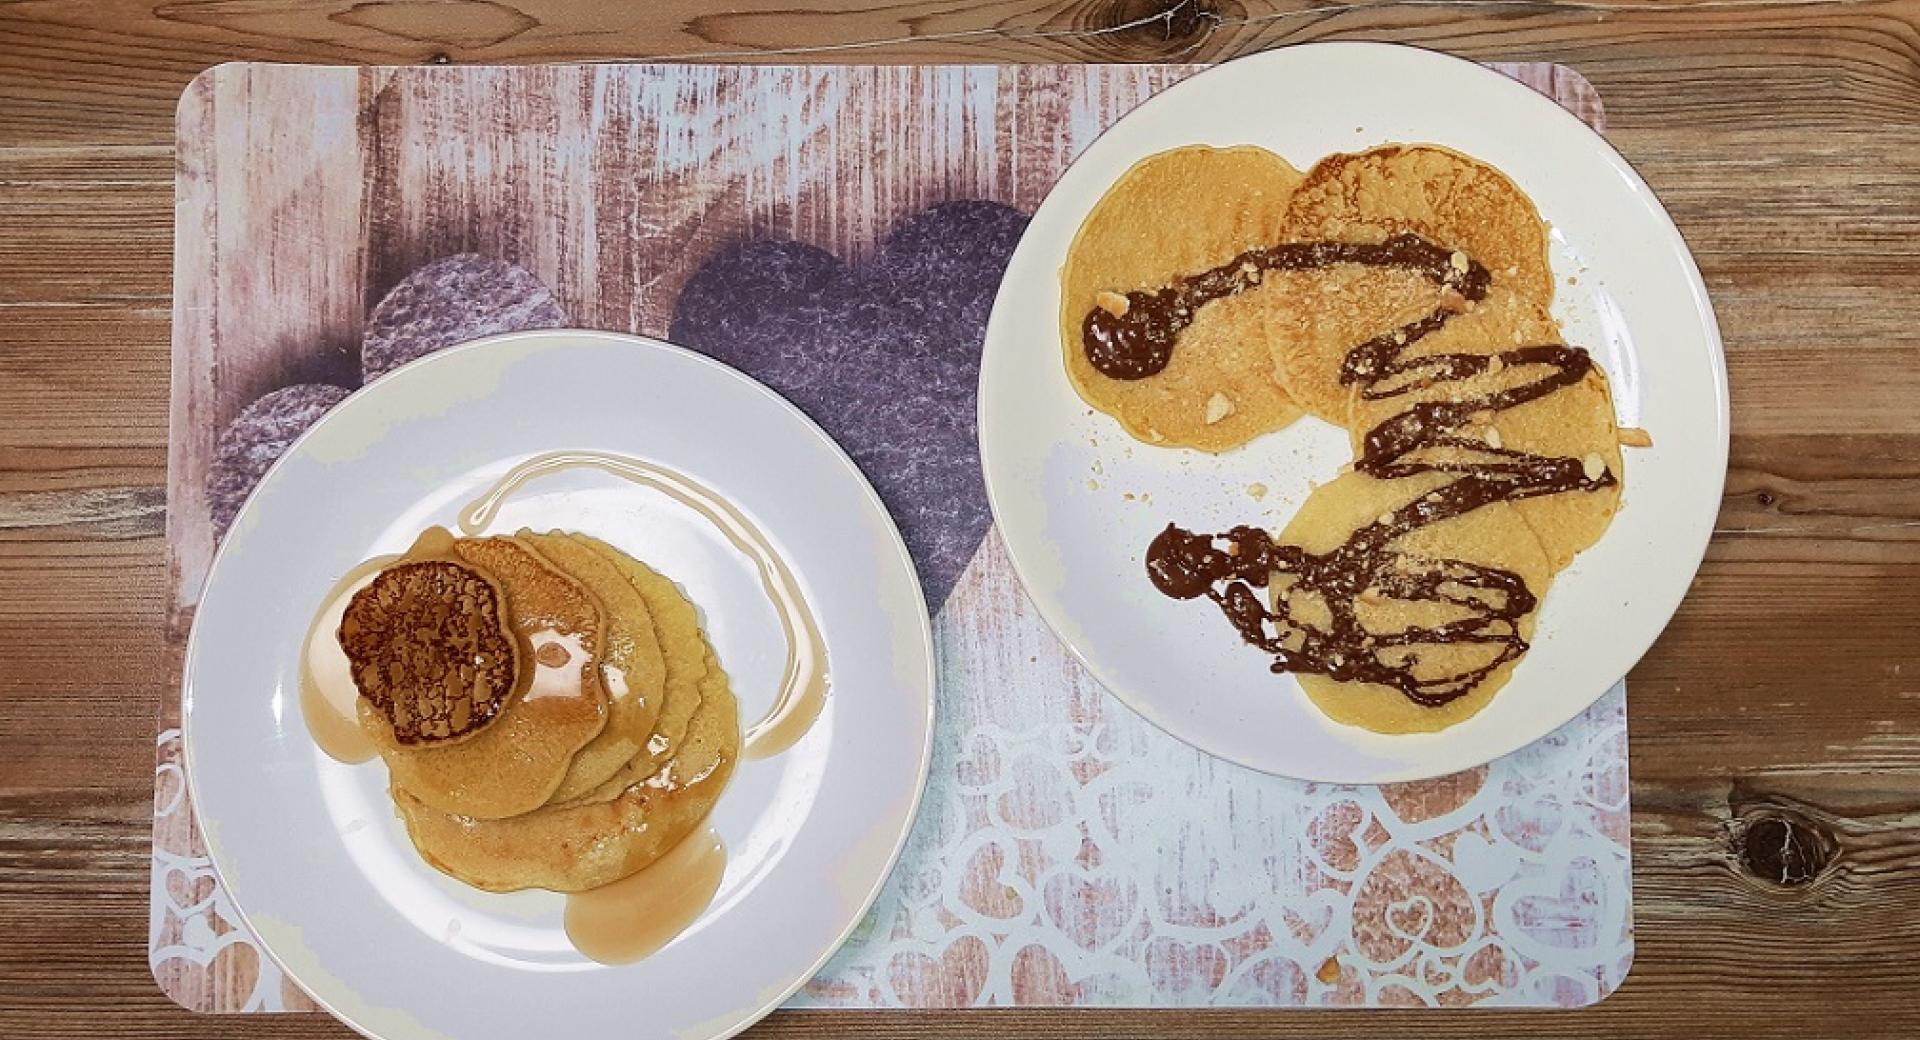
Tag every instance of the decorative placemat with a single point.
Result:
(838, 232)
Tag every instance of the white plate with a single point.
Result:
(310, 850)
(1637, 303)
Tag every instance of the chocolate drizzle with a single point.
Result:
(1488, 602)
(1137, 341)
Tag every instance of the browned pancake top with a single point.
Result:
(430, 650)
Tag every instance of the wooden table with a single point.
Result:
(1776, 726)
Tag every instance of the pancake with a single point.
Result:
(1324, 314)
(690, 670)
(516, 763)
(1441, 195)
(430, 650)
(1176, 213)
(1491, 536)
(713, 686)
(632, 668)
(1575, 421)
(587, 844)
(1486, 448)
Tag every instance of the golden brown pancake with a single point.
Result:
(586, 844)
(1445, 197)
(714, 685)
(1324, 314)
(517, 762)
(1436, 214)
(430, 649)
(1176, 213)
(632, 669)
(690, 671)
(1573, 422)
(1493, 536)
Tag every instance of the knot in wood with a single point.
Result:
(1784, 848)
(1145, 29)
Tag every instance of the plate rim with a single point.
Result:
(922, 617)
(1695, 286)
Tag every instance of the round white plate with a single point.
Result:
(1059, 475)
(310, 850)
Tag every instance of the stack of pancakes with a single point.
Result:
(1258, 359)
(549, 710)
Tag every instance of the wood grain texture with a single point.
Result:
(1784, 137)
(614, 241)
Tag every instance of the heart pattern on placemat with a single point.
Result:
(954, 978)
(884, 354)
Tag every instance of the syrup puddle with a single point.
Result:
(637, 915)
(328, 698)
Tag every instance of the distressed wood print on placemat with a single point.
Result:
(305, 195)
